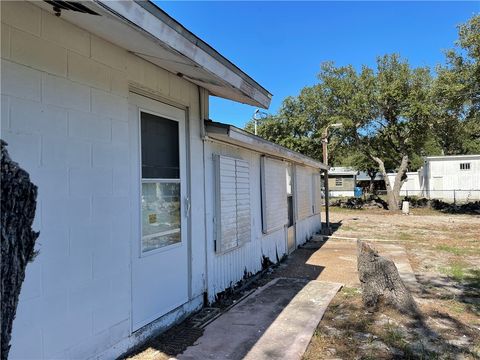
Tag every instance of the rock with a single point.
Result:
(362, 336)
(331, 351)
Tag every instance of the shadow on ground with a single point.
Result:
(175, 340)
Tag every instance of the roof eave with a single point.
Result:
(233, 135)
(154, 22)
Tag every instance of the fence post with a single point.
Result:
(454, 198)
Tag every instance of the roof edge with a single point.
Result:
(232, 134)
(194, 39)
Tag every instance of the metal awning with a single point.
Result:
(147, 31)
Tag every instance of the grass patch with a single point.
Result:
(456, 271)
(349, 291)
(452, 249)
(459, 272)
(405, 236)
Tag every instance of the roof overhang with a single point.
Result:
(147, 31)
(235, 136)
(453, 157)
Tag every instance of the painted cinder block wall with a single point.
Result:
(65, 117)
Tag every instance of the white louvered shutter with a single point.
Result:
(317, 192)
(274, 194)
(304, 192)
(243, 201)
(232, 194)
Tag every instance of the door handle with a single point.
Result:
(187, 206)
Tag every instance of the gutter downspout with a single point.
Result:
(203, 109)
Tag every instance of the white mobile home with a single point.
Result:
(144, 209)
(452, 177)
(413, 185)
(455, 177)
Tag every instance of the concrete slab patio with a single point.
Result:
(277, 321)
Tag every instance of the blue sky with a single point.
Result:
(281, 44)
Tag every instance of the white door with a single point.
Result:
(160, 254)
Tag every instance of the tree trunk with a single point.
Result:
(18, 205)
(393, 193)
(372, 174)
(380, 281)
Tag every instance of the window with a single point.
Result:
(464, 166)
(160, 182)
(275, 185)
(232, 197)
(289, 172)
(339, 182)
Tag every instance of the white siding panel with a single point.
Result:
(274, 194)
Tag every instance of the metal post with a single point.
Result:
(325, 176)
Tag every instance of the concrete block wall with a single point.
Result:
(65, 118)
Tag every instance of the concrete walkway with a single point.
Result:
(277, 321)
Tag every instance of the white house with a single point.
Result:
(455, 177)
(145, 209)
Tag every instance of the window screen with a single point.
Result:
(160, 147)
(160, 199)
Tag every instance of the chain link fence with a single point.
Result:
(453, 196)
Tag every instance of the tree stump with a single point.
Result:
(381, 283)
(18, 204)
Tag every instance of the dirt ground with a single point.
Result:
(444, 253)
(440, 252)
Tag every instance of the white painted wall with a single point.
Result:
(341, 193)
(226, 269)
(65, 117)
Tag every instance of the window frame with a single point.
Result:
(465, 166)
(337, 180)
(155, 180)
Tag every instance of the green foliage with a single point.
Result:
(457, 94)
(387, 112)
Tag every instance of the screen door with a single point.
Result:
(160, 256)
